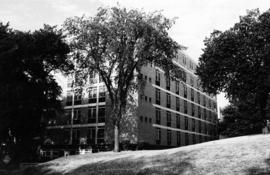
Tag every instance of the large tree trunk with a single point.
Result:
(116, 138)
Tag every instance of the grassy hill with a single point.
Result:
(239, 155)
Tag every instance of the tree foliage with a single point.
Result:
(236, 122)
(237, 61)
(28, 90)
(116, 43)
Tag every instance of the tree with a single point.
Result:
(29, 94)
(238, 122)
(116, 43)
(237, 61)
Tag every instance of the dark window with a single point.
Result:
(92, 114)
(177, 105)
(204, 101)
(168, 83)
(158, 116)
(185, 90)
(145, 119)
(186, 123)
(185, 107)
(194, 138)
(157, 78)
(192, 109)
(101, 114)
(150, 99)
(92, 95)
(199, 112)
(69, 99)
(178, 138)
(158, 136)
(186, 139)
(192, 94)
(169, 118)
(199, 97)
(168, 100)
(177, 121)
(205, 115)
(150, 120)
(145, 98)
(169, 137)
(141, 118)
(150, 79)
(68, 115)
(77, 116)
(177, 87)
(78, 97)
(100, 135)
(102, 93)
(158, 96)
(200, 126)
(193, 125)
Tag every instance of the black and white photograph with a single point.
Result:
(134, 87)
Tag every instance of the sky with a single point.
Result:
(196, 18)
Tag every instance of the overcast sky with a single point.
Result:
(196, 18)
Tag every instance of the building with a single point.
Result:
(166, 113)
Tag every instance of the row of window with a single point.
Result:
(188, 138)
(92, 96)
(212, 104)
(203, 127)
(202, 112)
(94, 115)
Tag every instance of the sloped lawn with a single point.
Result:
(240, 155)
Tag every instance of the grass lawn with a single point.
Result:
(240, 155)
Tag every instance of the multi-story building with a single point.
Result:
(168, 112)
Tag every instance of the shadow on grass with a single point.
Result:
(260, 171)
(172, 164)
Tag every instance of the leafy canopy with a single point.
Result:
(237, 61)
(28, 90)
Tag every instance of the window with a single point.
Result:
(184, 60)
(204, 101)
(77, 116)
(177, 121)
(191, 81)
(200, 126)
(169, 137)
(157, 78)
(185, 90)
(193, 125)
(157, 116)
(100, 135)
(92, 114)
(205, 115)
(145, 98)
(68, 115)
(102, 93)
(145, 119)
(186, 139)
(199, 97)
(92, 95)
(194, 138)
(192, 94)
(168, 83)
(150, 120)
(186, 123)
(177, 104)
(141, 118)
(150, 79)
(192, 109)
(185, 107)
(78, 97)
(168, 100)
(158, 136)
(158, 96)
(169, 118)
(178, 138)
(69, 98)
(177, 87)
(150, 99)
(101, 114)
(199, 112)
